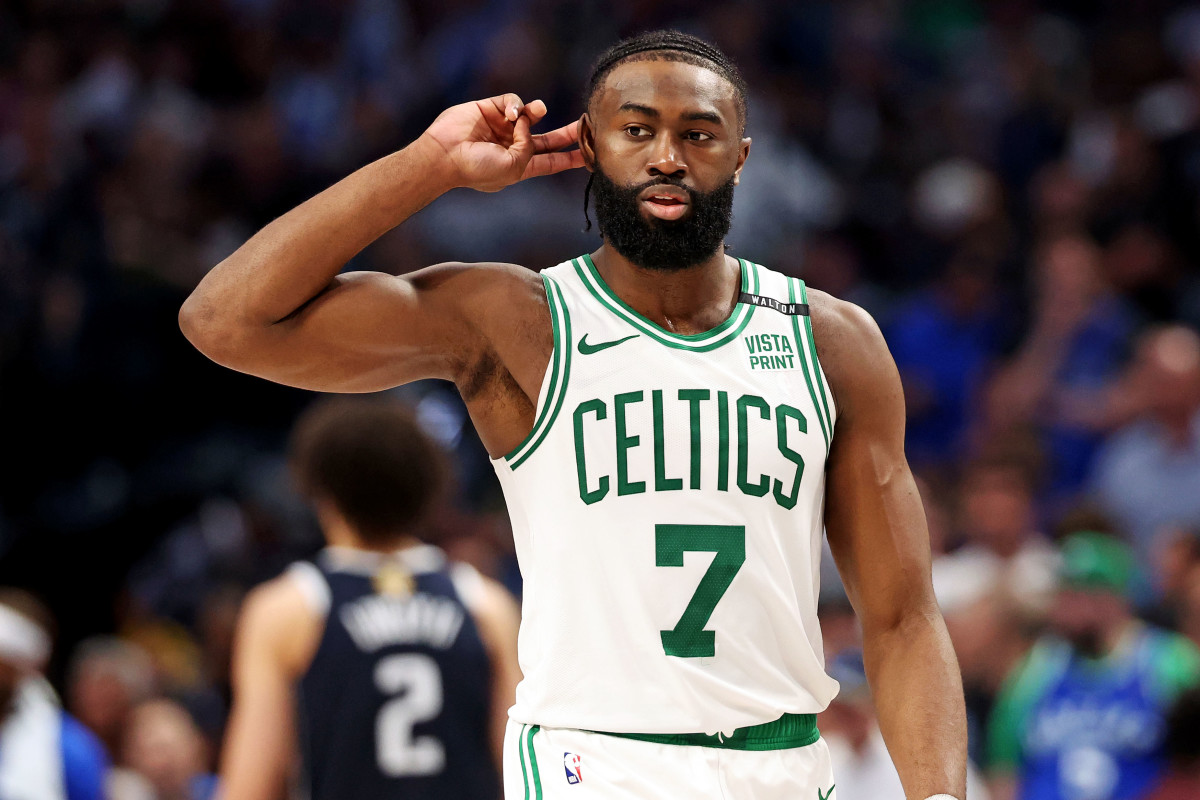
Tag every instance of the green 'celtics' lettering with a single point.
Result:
(764, 410)
(693, 397)
(776, 479)
(625, 443)
(723, 441)
(601, 411)
(661, 482)
(782, 414)
(689, 639)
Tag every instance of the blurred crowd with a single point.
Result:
(1012, 189)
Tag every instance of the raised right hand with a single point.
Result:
(488, 144)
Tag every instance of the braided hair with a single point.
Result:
(663, 45)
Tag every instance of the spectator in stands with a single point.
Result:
(164, 746)
(1082, 715)
(850, 729)
(45, 754)
(1003, 549)
(944, 340)
(991, 635)
(1059, 381)
(1147, 473)
(107, 677)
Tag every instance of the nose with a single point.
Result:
(666, 158)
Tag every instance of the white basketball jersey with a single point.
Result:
(667, 508)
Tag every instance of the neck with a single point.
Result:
(339, 533)
(686, 301)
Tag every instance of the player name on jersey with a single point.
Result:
(375, 622)
(748, 417)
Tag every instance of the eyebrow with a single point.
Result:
(653, 113)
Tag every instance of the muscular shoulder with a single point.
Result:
(853, 353)
(482, 286)
(278, 618)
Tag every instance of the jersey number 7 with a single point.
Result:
(689, 639)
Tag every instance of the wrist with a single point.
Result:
(435, 164)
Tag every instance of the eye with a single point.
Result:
(698, 136)
(637, 131)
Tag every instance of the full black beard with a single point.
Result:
(657, 244)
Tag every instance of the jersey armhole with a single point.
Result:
(806, 349)
(312, 584)
(554, 384)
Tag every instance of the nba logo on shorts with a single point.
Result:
(574, 766)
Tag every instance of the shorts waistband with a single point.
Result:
(790, 730)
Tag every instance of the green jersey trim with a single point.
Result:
(812, 346)
(790, 730)
(801, 349)
(560, 365)
(696, 342)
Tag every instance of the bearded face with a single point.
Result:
(660, 244)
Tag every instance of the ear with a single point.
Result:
(743, 154)
(587, 142)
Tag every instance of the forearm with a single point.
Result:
(918, 693)
(294, 258)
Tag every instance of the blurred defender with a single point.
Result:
(396, 668)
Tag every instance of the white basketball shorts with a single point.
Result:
(566, 764)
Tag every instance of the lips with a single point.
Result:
(665, 202)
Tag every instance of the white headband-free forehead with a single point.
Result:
(22, 640)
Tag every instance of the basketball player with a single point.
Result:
(673, 428)
(396, 668)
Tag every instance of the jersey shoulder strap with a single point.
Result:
(311, 582)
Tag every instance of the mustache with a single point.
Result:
(663, 181)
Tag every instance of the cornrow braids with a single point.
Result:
(663, 45)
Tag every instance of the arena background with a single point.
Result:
(1011, 188)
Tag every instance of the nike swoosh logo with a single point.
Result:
(825, 795)
(588, 349)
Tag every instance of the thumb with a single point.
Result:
(522, 147)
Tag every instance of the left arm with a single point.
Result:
(876, 529)
(498, 618)
(277, 634)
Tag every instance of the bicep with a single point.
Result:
(369, 331)
(874, 518)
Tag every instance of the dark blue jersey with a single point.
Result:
(397, 700)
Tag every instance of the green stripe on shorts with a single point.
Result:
(790, 730)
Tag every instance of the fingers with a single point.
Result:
(509, 105)
(522, 146)
(551, 163)
(535, 111)
(556, 139)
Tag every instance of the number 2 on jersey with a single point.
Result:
(689, 639)
(417, 682)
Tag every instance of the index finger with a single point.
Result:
(556, 139)
(550, 163)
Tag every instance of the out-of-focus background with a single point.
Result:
(1011, 188)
